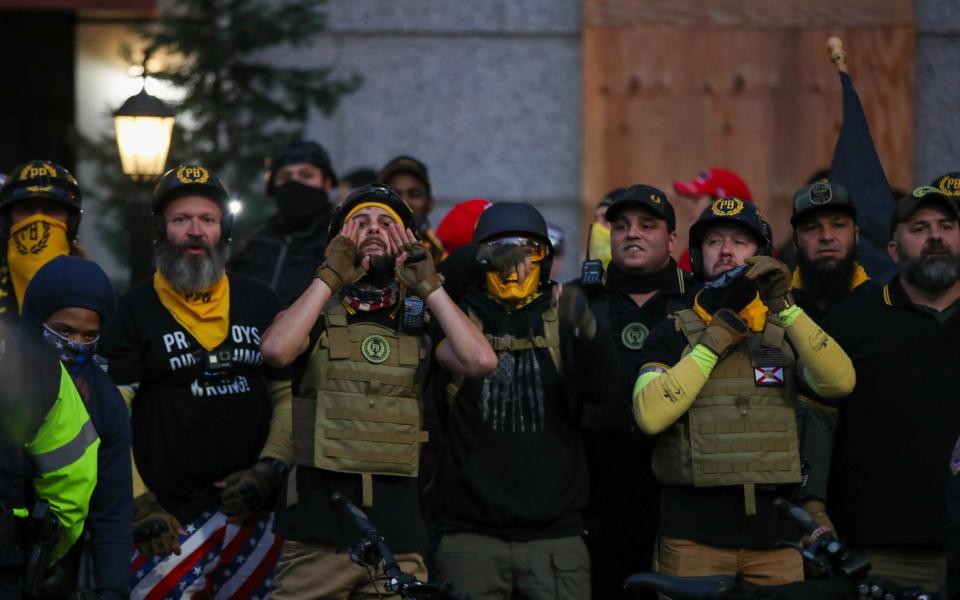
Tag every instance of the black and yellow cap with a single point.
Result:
(948, 184)
(41, 179)
(188, 179)
(373, 194)
(642, 196)
(924, 195)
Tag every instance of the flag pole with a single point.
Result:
(838, 55)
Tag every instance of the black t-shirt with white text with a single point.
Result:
(192, 426)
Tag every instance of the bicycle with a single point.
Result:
(371, 551)
(847, 574)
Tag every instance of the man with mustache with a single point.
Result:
(825, 236)
(718, 384)
(285, 250)
(642, 284)
(210, 420)
(901, 421)
(361, 340)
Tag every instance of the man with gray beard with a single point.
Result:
(888, 482)
(210, 420)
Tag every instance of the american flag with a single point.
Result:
(218, 560)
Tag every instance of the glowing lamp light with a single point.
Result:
(235, 207)
(144, 126)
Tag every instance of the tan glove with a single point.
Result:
(773, 279)
(504, 259)
(154, 529)
(339, 266)
(725, 331)
(244, 494)
(417, 272)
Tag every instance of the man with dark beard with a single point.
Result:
(888, 484)
(284, 252)
(207, 414)
(360, 341)
(825, 236)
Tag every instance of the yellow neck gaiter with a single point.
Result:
(205, 315)
(755, 313)
(600, 244)
(33, 243)
(859, 278)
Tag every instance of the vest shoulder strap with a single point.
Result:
(773, 332)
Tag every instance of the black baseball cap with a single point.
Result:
(908, 204)
(408, 165)
(948, 184)
(646, 197)
(821, 195)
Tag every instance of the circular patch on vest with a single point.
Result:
(634, 335)
(375, 348)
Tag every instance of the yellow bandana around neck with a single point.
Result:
(859, 278)
(206, 315)
(33, 243)
(755, 313)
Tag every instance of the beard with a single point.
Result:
(381, 272)
(936, 269)
(186, 273)
(826, 281)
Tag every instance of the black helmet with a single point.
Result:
(732, 210)
(298, 152)
(521, 218)
(186, 180)
(375, 193)
(504, 218)
(42, 179)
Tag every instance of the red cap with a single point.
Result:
(456, 229)
(716, 183)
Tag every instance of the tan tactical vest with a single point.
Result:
(737, 432)
(359, 410)
(549, 340)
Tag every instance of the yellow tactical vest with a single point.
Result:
(359, 409)
(737, 432)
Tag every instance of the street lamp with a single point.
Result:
(144, 126)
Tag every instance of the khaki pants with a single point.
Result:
(909, 568)
(487, 568)
(760, 567)
(308, 570)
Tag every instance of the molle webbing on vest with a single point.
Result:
(360, 406)
(549, 340)
(737, 432)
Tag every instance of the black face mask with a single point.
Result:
(299, 205)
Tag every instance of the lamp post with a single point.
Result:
(144, 126)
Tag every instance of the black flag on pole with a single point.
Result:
(856, 166)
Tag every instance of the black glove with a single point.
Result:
(154, 529)
(504, 258)
(244, 494)
(574, 310)
(735, 296)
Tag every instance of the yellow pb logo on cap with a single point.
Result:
(34, 170)
(950, 186)
(192, 175)
(727, 207)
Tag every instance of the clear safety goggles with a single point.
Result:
(536, 249)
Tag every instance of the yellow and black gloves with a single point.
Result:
(154, 529)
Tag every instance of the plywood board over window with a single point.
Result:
(671, 87)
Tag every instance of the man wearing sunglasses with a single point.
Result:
(511, 482)
(642, 284)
